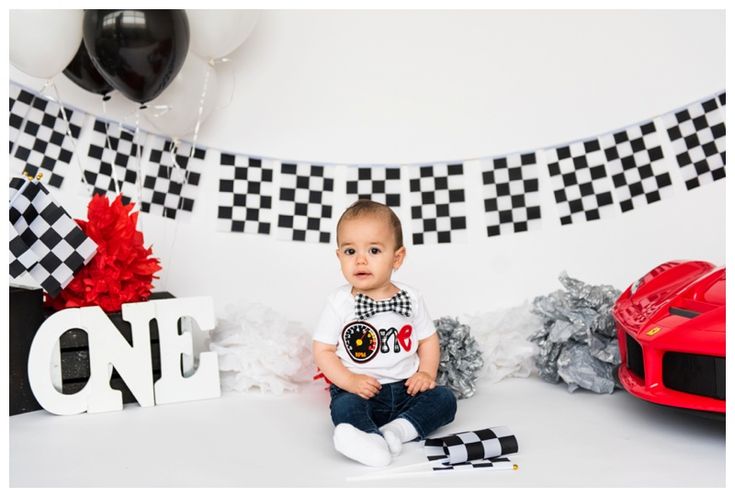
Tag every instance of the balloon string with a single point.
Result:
(69, 134)
(109, 146)
(200, 111)
(25, 116)
(233, 74)
(169, 252)
(138, 153)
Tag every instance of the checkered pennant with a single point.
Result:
(510, 193)
(170, 189)
(59, 245)
(635, 162)
(43, 144)
(121, 153)
(697, 135)
(467, 446)
(245, 202)
(366, 307)
(306, 201)
(582, 189)
(380, 184)
(437, 203)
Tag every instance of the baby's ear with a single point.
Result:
(398, 257)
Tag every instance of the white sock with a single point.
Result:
(398, 432)
(367, 448)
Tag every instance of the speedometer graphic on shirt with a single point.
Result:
(361, 341)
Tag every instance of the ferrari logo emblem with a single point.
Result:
(653, 331)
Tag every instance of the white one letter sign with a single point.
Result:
(108, 348)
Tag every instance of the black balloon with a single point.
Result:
(81, 70)
(138, 52)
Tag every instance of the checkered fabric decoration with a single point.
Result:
(437, 203)
(479, 446)
(635, 162)
(121, 154)
(510, 192)
(697, 136)
(486, 464)
(399, 303)
(245, 202)
(306, 201)
(43, 144)
(175, 172)
(582, 189)
(381, 184)
(58, 244)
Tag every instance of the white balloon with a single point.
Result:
(175, 111)
(216, 33)
(43, 42)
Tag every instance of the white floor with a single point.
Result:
(253, 440)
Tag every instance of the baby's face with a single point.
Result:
(367, 252)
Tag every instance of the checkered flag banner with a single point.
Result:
(399, 303)
(113, 159)
(306, 202)
(45, 240)
(697, 135)
(510, 194)
(380, 184)
(43, 145)
(635, 162)
(173, 176)
(471, 446)
(438, 212)
(582, 188)
(245, 198)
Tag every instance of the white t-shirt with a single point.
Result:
(384, 345)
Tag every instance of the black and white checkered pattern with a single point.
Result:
(59, 245)
(380, 184)
(510, 193)
(43, 145)
(721, 100)
(582, 189)
(495, 463)
(697, 135)
(478, 445)
(366, 307)
(246, 191)
(22, 258)
(437, 203)
(173, 175)
(122, 154)
(635, 162)
(306, 202)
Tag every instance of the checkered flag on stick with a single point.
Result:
(485, 449)
(44, 239)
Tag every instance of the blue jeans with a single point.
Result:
(426, 411)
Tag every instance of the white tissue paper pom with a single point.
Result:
(503, 337)
(258, 348)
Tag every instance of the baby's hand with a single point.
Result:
(419, 382)
(363, 385)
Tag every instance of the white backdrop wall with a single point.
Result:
(422, 86)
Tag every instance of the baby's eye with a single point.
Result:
(374, 250)
(349, 251)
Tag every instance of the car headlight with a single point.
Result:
(634, 287)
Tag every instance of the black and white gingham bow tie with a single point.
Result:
(366, 307)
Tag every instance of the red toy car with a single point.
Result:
(671, 332)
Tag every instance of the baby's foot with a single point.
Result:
(394, 443)
(368, 448)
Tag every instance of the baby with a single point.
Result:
(377, 345)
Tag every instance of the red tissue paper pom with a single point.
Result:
(122, 269)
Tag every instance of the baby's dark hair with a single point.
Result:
(366, 207)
